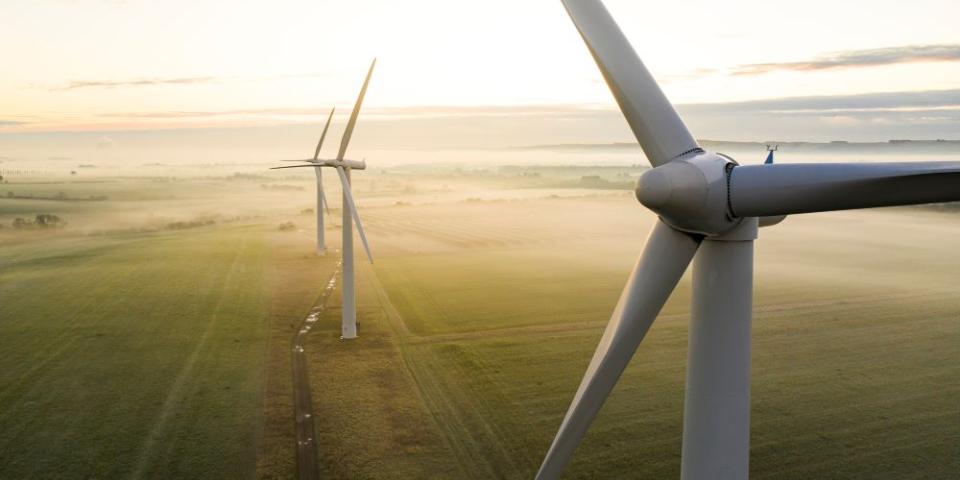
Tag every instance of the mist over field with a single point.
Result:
(105, 181)
(174, 276)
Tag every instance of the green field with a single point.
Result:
(150, 337)
(856, 366)
(124, 358)
(149, 351)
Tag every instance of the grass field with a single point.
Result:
(136, 348)
(162, 354)
(122, 358)
(856, 360)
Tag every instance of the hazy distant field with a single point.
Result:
(150, 337)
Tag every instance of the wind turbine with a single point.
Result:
(321, 197)
(709, 208)
(770, 149)
(348, 328)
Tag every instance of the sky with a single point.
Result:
(746, 70)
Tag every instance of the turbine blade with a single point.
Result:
(323, 199)
(320, 193)
(660, 267)
(297, 166)
(657, 126)
(786, 189)
(348, 194)
(354, 114)
(316, 153)
(308, 160)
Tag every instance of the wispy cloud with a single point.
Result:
(860, 58)
(10, 123)
(873, 116)
(218, 113)
(865, 117)
(930, 100)
(141, 82)
(158, 81)
(418, 111)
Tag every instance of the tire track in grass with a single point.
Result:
(307, 463)
(176, 389)
(459, 429)
(463, 429)
(428, 393)
(55, 346)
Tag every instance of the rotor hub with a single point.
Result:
(690, 194)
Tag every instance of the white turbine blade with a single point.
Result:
(348, 194)
(323, 199)
(296, 166)
(316, 153)
(660, 131)
(307, 160)
(785, 189)
(354, 114)
(660, 267)
(320, 192)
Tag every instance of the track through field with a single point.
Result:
(302, 404)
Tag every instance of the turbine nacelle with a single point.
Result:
(351, 164)
(691, 193)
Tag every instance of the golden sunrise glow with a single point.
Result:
(114, 65)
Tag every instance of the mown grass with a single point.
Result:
(151, 355)
(166, 355)
(133, 357)
(370, 416)
(856, 356)
(859, 397)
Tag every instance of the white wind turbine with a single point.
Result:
(709, 209)
(321, 196)
(343, 166)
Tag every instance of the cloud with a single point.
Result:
(149, 82)
(889, 102)
(10, 123)
(218, 113)
(860, 58)
(427, 111)
(76, 84)
(864, 117)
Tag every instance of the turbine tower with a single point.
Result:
(348, 328)
(709, 209)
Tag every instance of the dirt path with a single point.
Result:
(302, 404)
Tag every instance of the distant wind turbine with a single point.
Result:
(708, 207)
(343, 166)
(770, 149)
(321, 196)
